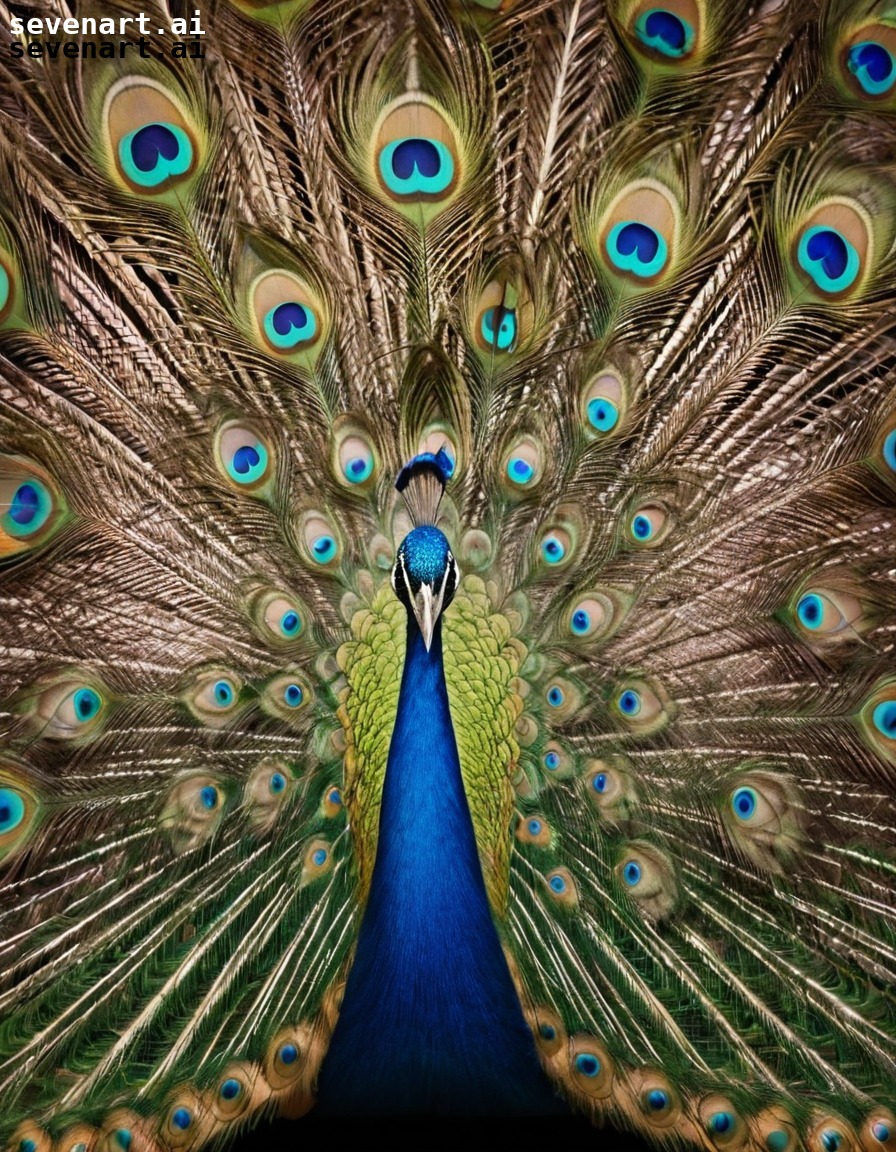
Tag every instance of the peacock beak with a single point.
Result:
(427, 605)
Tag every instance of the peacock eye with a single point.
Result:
(152, 143)
(603, 405)
(603, 414)
(289, 316)
(638, 235)
(562, 887)
(316, 862)
(416, 163)
(829, 258)
(283, 618)
(665, 32)
(265, 792)
(214, 697)
(31, 506)
(868, 62)
(416, 166)
(648, 526)
(873, 67)
(609, 788)
(320, 540)
(70, 709)
(19, 810)
(193, 810)
(244, 456)
(498, 328)
(356, 460)
(591, 1067)
(288, 325)
(832, 250)
(523, 466)
(824, 613)
(555, 548)
(637, 248)
(643, 708)
(155, 154)
(647, 875)
(287, 696)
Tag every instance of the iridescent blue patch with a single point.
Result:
(873, 66)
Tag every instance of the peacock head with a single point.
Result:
(425, 574)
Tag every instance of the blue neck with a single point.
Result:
(430, 1021)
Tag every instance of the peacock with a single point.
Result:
(447, 551)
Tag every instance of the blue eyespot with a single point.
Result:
(335, 796)
(657, 1100)
(831, 1139)
(603, 415)
(720, 1123)
(278, 783)
(580, 622)
(884, 717)
(880, 1131)
(223, 693)
(631, 873)
(318, 856)
(810, 611)
(665, 32)
(629, 702)
(520, 471)
(642, 529)
(323, 548)
(155, 153)
(123, 1138)
(599, 784)
(182, 1118)
(288, 1054)
(358, 469)
(27, 1145)
(743, 803)
(587, 1064)
(416, 166)
(498, 328)
(547, 1032)
(289, 324)
(558, 884)
(230, 1089)
(290, 623)
(209, 796)
(293, 695)
(534, 827)
(555, 696)
(87, 702)
(248, 463)
(28, 510)
(637, 248)
(829, 258)
(890, 450)
(551, 761)
(552, 549)
(873, 67)
(777, 1141)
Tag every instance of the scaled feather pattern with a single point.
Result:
(560, 779)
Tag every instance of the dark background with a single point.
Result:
(553, 1134)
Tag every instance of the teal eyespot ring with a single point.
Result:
(289, 324)
(603, 414)
(29, 508)
(155, 153)
(416, 166)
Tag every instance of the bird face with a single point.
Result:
(425, 577)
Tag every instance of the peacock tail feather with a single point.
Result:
(589, 760)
